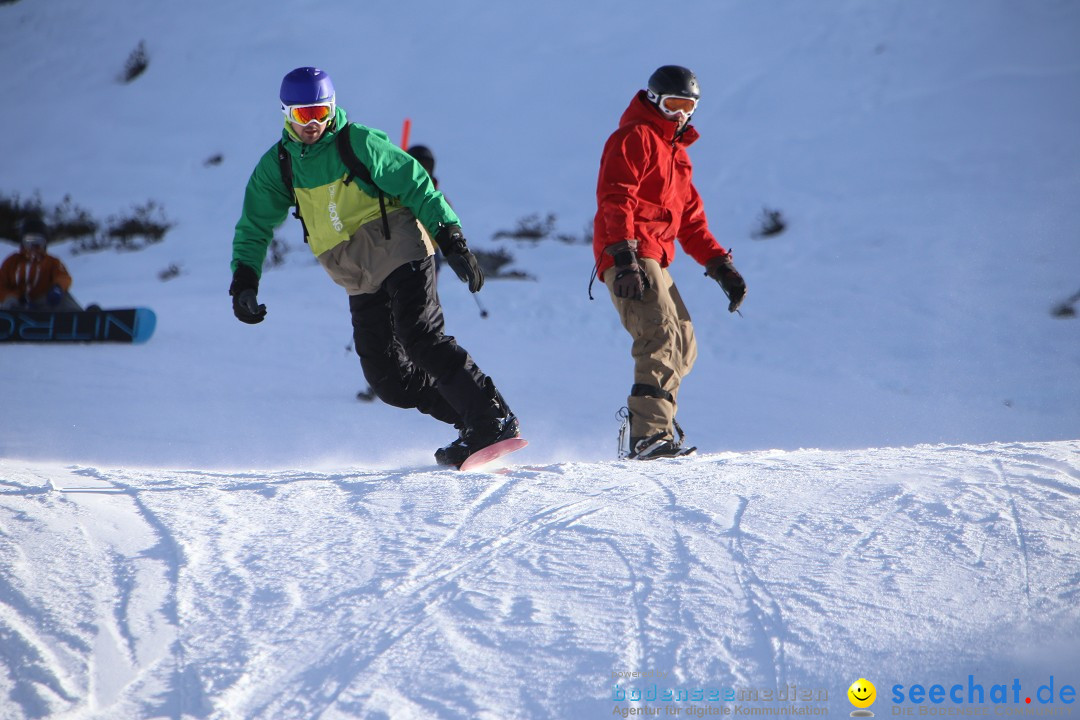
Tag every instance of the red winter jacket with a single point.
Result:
(645, 191)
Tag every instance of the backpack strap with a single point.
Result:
(358, 169)
(285, 163)
(286, 166)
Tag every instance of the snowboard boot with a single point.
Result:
(458, 451)
(501, 427)
(453, 453)
(491, 432)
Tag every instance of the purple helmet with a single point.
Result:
(306, 86)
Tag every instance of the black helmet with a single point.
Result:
(673, 80)
(424, 156)
(33, 226)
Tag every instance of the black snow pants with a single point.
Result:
(406, 358)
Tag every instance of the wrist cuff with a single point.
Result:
(450, 240)
(244, 278)
(624, 252)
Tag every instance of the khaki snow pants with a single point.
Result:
(664, 348)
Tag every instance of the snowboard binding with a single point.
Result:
(655, 446)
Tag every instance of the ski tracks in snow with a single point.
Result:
(522, 593)
(105, 637)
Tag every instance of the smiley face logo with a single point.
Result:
(862, 693)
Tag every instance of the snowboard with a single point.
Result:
(491, 453)
(125, 325)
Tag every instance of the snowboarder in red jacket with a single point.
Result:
(32, 279)
(646, 200)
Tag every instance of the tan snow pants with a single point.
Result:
(664, 348)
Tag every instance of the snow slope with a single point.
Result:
(211, 526)
(925, 156)
(419, 594)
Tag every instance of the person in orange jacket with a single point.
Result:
(646, 200)
(31, 279)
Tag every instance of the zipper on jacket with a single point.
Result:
(674, 151)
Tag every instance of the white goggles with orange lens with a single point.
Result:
(672, 105)
(307, 114)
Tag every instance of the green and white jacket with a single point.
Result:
(333, 211)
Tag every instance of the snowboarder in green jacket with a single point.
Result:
(375, 237)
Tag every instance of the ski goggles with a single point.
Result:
(675, 104)
(305, 114)
(35, 241)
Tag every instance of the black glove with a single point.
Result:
(452, 244)
(630, 280)
(56, 294)
(244, 290)
(722, 271)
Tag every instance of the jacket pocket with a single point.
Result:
(654, 220)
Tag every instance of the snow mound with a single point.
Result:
(525, 592)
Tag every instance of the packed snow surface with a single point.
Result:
(523, 593)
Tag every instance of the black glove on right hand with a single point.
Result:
(723, 271)
(244, 290)
(452, 244)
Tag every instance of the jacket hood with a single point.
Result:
(641, 111)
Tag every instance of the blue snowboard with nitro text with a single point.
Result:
(125, 325)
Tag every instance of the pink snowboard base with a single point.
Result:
(492, 453)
